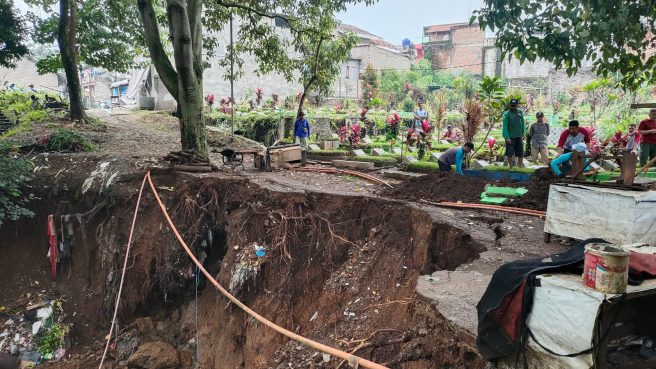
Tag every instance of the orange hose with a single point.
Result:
(506, 209)
(352, 359)
(538, 212)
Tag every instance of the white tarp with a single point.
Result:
(563, 320)
(618, 216)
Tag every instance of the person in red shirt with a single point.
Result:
(570, 137)
(647, 132)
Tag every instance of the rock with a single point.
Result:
(144, 325)
(154, 355)
(186, 358)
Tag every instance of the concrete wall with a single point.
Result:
(512, 69)
(25, 74)
(380, 58)
(347, 85)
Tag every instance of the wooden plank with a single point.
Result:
(643, 105)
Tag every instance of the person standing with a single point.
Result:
(420, 115)
(302, 131)
(539, 133)
(454, 156)
(647, 132)
(513, 132)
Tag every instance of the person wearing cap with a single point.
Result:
(565, 158)
(451, 134)
(539, 133)
(302, 131)
(513, 132)
(647, 132)
(454, 156)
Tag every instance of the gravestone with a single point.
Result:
(480, 164)
(595, 166)
(609, 165)
(445, 142)
(329, 145)
(435, 156)
(412, 149)
(409, 159)
(367, 140)
(396, 150)
(378, 152)
(314, 147)
(358, 152)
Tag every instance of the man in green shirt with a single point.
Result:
(513, 132)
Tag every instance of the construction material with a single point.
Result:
(285, 156)
(353, 360)
(346, 172)
(353, 164)
(505, 191)
(646, 167)
(494, 200)
(618, 215)
(606, 268)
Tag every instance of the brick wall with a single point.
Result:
(468, 49)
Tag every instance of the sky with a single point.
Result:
(394, 20)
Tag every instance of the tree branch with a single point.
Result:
(167, 74)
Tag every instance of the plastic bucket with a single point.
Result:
(606, 268)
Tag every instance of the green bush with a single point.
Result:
(68, 140)
(15, 175)
(408, 105)
(329, 152)
(423, 167)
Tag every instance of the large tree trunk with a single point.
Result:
(66, 37)
(185, 82)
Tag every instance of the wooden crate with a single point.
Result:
(285, 156)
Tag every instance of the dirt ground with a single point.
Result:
(348, 263)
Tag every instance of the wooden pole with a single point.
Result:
(232, 79)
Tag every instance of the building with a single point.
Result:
(370, 49)
(455, 46)
(464, 47)
(25, 74)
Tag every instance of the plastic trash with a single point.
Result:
(260, 251)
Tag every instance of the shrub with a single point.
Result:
(15, 174)
(68, 140)
(408, 104)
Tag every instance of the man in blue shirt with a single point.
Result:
(302, 131)
(455, 156)
(420, 115)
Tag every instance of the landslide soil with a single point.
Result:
(339, 269)
(454, 188)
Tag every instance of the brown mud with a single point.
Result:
(338, 269)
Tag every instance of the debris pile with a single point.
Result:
(35, 333)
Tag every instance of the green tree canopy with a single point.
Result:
(618, 36)
(12, 35)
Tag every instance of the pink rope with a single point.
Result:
(125, 265)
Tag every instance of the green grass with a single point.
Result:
(423, 167)
(329, 152)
